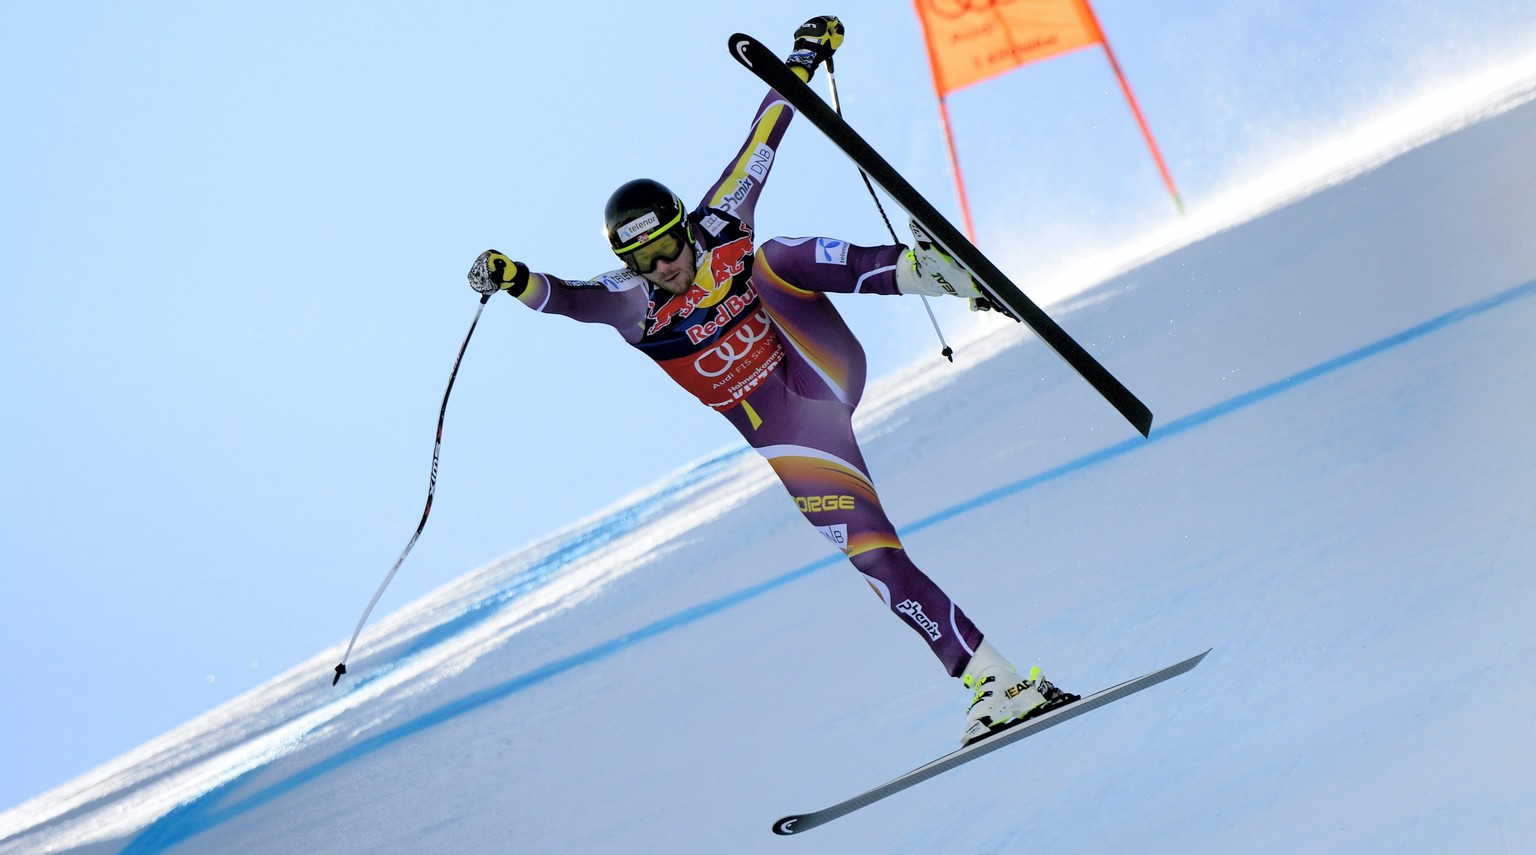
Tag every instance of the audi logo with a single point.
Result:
(733, 347)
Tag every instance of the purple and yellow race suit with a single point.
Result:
(756, 339)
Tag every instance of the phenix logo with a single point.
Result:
(914, 610)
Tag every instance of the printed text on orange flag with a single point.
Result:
(971, 40)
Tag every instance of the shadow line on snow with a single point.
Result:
(206, 811)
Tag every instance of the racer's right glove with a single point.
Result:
(494, 272)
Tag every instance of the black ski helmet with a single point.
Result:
(641, 211)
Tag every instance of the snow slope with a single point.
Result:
(1337, 497)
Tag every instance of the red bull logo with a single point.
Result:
(679, 306)
(728, 260)
(725, 263)
(726, 312)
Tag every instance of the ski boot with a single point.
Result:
(927, 269)
(1001, 697)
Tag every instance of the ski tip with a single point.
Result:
(739, 44)
(786, 826)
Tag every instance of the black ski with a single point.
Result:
(771, 69)
(797, 823)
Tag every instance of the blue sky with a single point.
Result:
(232, 247)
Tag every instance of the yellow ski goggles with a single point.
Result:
(666, 246)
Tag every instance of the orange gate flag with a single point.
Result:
(972, 40)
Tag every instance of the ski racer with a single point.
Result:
(747, 329)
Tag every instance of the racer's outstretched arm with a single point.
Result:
(614, 298)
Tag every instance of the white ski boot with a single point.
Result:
(1001, 697)
(927, 269)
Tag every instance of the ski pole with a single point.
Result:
(947, 352)
(437, 448)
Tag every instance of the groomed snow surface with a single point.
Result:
(1337, 497)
